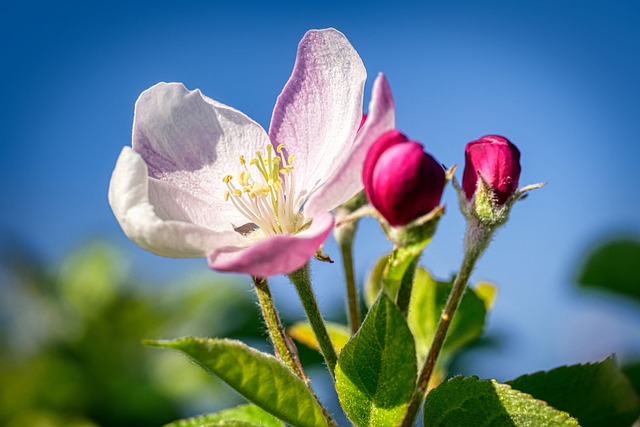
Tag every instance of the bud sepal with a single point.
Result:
(483, 206)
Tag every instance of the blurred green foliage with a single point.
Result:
(71, 351)
(71, 340)
(613, 266)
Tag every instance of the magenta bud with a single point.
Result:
(362, 120)
(402, 181)
(498, 162)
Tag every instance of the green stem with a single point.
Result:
(280, 340)
(302, 281)
(353, 302)
(275, 328)
(477, 239)
(344, 235)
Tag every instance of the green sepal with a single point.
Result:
(243, 415)
(259, 377)
(376, 370)
(596, 394)
(472, 402)
(417, 232)
(483, 207)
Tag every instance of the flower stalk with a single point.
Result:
(344, 234)
(477, 238)
(276, 332)
(302, 281)
(283, 346)
(353, 302)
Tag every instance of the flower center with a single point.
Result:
(265, 192)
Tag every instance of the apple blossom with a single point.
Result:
(203, 179)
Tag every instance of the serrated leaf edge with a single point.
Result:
(495, 384)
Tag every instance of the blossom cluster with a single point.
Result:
(202, 179)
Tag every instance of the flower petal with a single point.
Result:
(318, 112)
(159, 223)
(278, 254)
(191, 141)
(347, 180)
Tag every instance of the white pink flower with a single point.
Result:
(203, 180)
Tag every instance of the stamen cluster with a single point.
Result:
(267, 200)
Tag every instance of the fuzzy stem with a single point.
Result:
(353, 303)
(345, 239)
(280, 340)
(275, 328)
(477, 239)
(344, 235)
(302, 281)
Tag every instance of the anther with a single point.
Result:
(243, 178)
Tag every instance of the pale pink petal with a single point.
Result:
(347, 180)
(191, 142)
(166, 223)
(274, 255)
(318, 112)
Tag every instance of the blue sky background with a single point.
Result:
(559, 78)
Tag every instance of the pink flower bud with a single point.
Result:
(401, 181)
(497, 160)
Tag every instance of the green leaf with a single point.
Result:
(632, 372)
(224, 423)
(260, 378)
(487, 293)
(401, 260)
(597, 394)
(390, 269)
(376, 371)
(614, 266)
(243, 415)
(338, 334)
(373, 282)
(428, 299)
(473, 402)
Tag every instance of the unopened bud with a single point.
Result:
(400, 180)
(492, 160)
